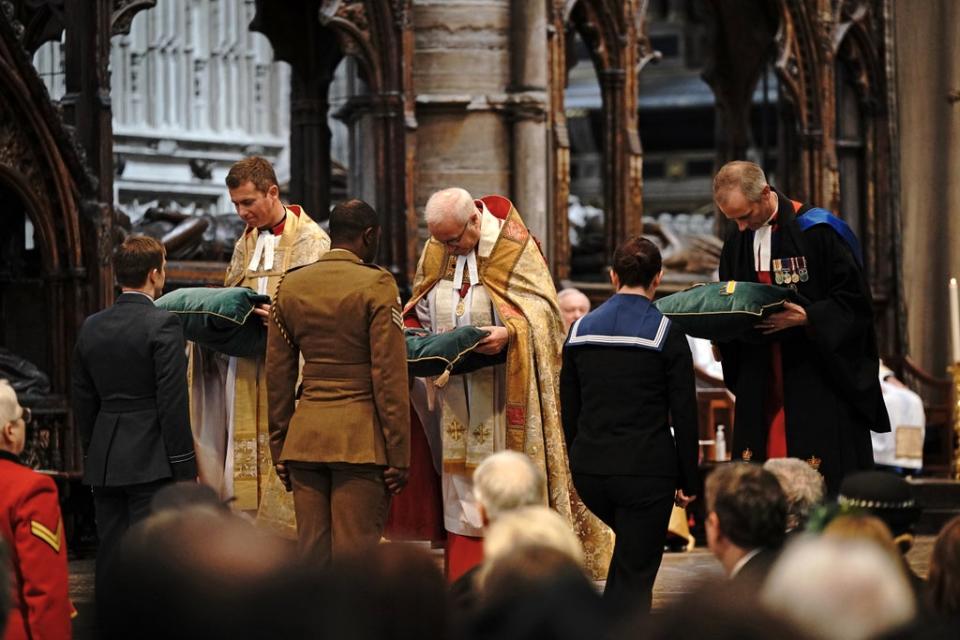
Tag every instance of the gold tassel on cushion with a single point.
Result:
(442, 380)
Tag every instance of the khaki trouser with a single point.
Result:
(341, 507)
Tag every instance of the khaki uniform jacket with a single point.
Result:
(344, 317)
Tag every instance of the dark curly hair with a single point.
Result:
(749, 503)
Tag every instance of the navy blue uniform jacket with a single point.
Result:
(627, 377)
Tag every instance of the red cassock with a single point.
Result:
(32, 530)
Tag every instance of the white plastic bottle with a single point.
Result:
(720, 449)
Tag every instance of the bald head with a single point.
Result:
(573, 306)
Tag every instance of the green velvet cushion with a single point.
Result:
(221, 319)
(724, 311)
(431, 354)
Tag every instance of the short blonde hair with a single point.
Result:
(508, 480)
(9, 405)
(745, 176)
(528, 527)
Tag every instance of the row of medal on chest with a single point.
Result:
(790, 270)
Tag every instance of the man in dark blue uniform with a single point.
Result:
(627, 378)
(812, 391)
(130, 398)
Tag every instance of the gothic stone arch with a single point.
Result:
(40, 167)
(313, 35)
(614, 32)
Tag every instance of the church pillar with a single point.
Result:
(461, 74)
(528, 101)
(310, 139)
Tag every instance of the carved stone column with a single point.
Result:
(298, 37)
(461, 73)
(528, 101)
(310, 140)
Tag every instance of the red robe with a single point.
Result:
(32, 529)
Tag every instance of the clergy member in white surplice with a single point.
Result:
(228, 394)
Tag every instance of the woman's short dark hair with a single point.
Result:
(637, 262)
(136, 258)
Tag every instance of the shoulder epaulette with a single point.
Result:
(296, 268)
(372, 265)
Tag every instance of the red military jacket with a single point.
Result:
(32, 530)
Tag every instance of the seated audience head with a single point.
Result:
(637, 263)
(862, 527)
(454, 220)
(537, 592)
(803, 486)
(182, 495)
(13, 421)
(528, 527)
(388, 591)
(746, 510)
(193, 572)
(140, 264)
(573, 306)
(944, 574)
(886, 496)
(839, 589)
(507, 480)
(355, 226)
(715, 610)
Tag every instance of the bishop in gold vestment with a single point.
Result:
(484, 269)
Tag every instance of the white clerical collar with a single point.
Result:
(266, 243)
(762, 240)
(743, 562)
(470, 262)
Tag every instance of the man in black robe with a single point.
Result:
(810, 390)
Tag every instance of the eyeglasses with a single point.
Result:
(26, 415)
(459, 237)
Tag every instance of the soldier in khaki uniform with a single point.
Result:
(344, 448)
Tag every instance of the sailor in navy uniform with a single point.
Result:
(627, 377)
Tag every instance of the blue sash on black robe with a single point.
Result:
(815, 216)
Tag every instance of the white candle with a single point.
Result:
(954, 320)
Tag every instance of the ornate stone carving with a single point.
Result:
(123, 13)
(18, 155)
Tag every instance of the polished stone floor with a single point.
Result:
(679, 574)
